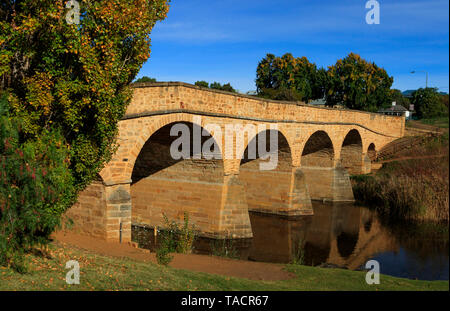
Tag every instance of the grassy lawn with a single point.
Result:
(107, 273)
(439, 122)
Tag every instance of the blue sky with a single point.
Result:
(224, 40)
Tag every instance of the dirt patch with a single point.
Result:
(201, 263)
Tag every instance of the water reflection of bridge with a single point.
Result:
(337, 234)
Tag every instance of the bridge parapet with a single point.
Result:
(170, 97)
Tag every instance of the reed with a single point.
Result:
(412, 190)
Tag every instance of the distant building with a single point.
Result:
(397, 110)
(321, 102)
(318, 102)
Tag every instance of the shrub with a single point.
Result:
(428, 103)
(34, 186)
(186, 236)
(173, 238)
(163, 252)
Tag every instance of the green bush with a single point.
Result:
(35, 187)
(428, 103)
(186, 236)
(174, 239)
(163, 252)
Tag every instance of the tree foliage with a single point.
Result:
(444, 99)
(352, 82)
(398, 97)
(289, 78)
(145, 79)
(71, 80)
(428, 103)
(202, 84)
(358, 84)
(34, 183)
(217, 86)
(75, 77)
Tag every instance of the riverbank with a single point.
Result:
(413, 186)
(109, 272)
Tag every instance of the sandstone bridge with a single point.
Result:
(318, 148)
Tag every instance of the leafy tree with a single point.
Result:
(444, 99)
(398, 97)
(145, 79)
(202, 84)
(428, 103)
(216, 86)
(73, 78)
(358, 84)
(228, 88)
(289, 78)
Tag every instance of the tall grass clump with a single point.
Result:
(298, 254)
(412, 190)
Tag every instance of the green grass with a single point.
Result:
(441, 122)
(107, 273)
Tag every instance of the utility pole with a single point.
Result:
(426, 73)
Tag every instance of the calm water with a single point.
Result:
(341, 235)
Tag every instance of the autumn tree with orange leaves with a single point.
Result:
(67, 80)
(289, 78)
(358, 84)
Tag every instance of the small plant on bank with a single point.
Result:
(173, 239)
(163, 252)
(298, 255)
(186, 237)
(224, 248)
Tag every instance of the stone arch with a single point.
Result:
(372, 152)
(132, 139)
(250, 138)
(162, 185)
(283, 149)
(271, 188)
(318, 151)
(352, 152)
(325, 181)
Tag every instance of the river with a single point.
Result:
(337, 235)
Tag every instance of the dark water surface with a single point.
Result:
(341, 235)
